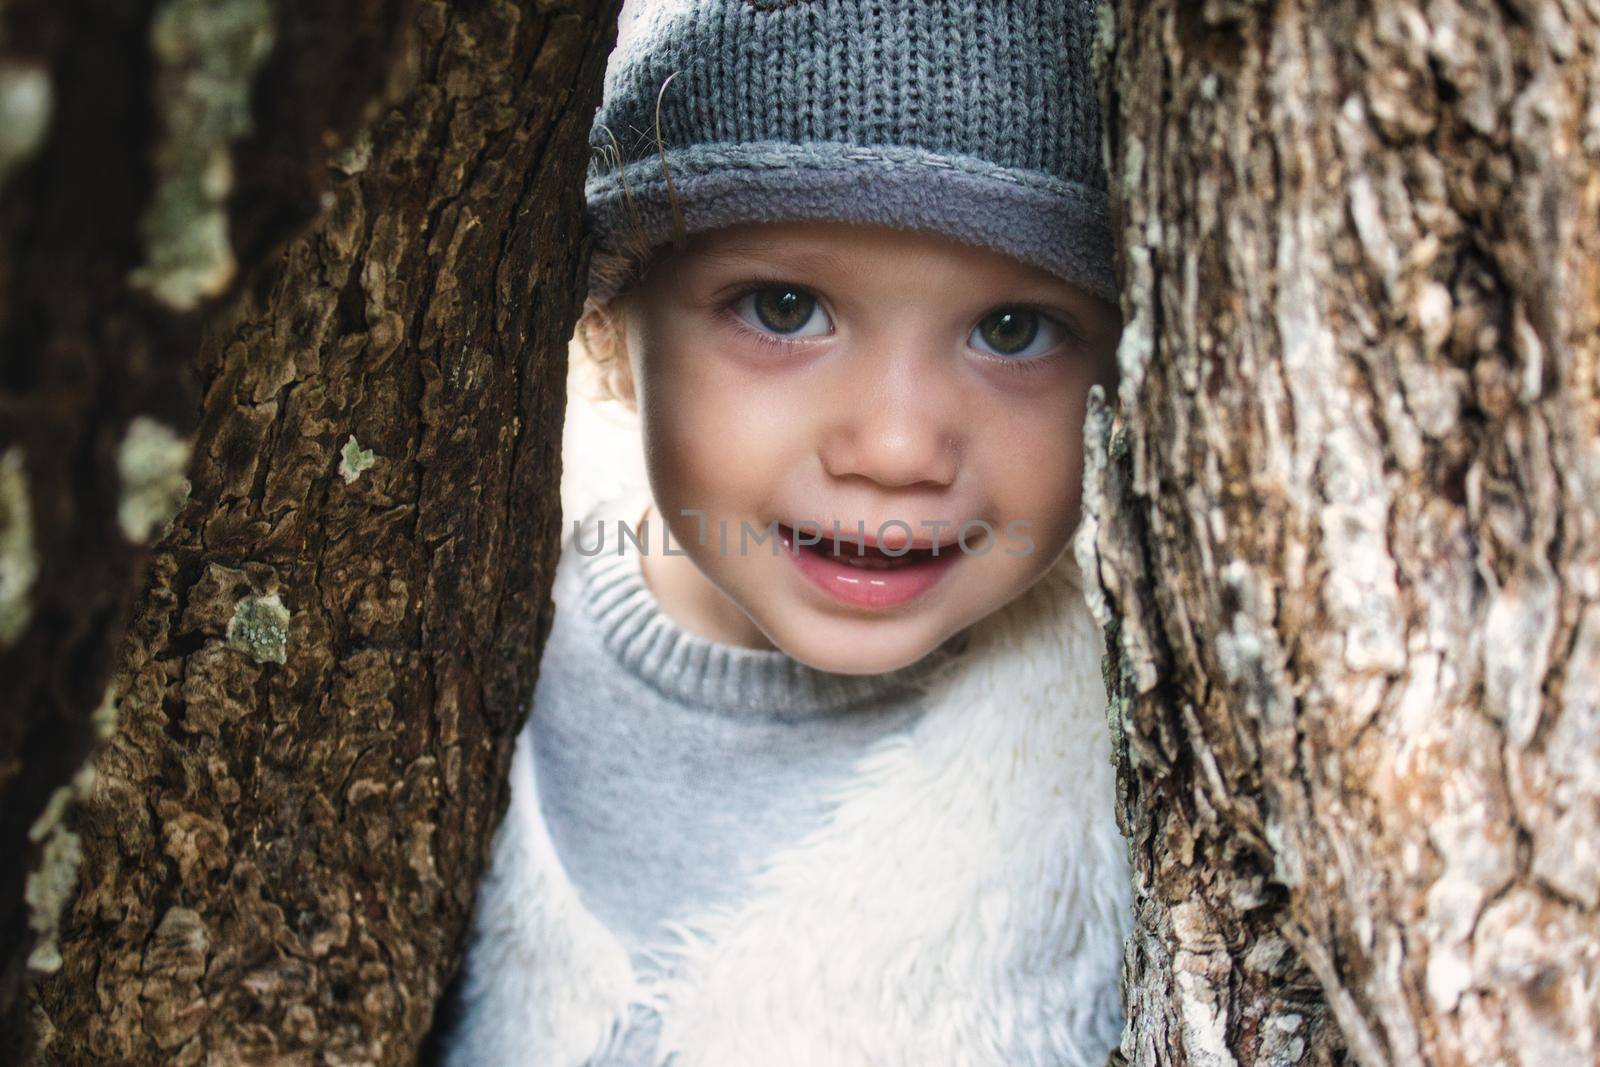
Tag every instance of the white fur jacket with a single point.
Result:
(964, 905)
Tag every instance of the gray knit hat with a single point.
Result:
(975, 119)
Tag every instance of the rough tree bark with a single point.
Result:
(336, 641)
(139, 181)
(1346, 520)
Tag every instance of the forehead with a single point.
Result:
(845, 248)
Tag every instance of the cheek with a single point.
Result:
(698, 418)
(1036, 471)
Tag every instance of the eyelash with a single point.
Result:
(761, 337)
(1032, 365)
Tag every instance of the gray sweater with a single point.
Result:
(669, 765)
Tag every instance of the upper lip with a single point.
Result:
(848, 534)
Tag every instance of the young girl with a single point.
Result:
(817, 773)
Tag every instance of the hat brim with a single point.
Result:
(1058, 226)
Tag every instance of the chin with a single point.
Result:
(845, 656)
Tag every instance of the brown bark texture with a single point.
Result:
(315, 701)
(140, 180)
(1345, 519)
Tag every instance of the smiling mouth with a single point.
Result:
(866, 577)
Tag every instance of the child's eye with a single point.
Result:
(1016, 333)
(784, 309)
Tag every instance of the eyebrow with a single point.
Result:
(821, 260)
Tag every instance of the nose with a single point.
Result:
(896, 422)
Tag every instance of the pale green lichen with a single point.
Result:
(207, 53)
(51, 883)
(152, 461)
(260, 628)
(19, 559)
(354, 459)
(353, 158)
(104, 717)
(26, 104)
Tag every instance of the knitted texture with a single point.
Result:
(975, 119)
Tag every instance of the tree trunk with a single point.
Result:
(334, 648)
(139, 180)
(1346, 521)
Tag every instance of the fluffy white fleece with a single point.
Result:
(964, 904)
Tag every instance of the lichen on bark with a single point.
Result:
(19, 556)
(151, 461)
(26, 105)
(353, 459)
(52, 880)
(207, 53)
(259, 627)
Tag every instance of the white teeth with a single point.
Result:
(847, 554)
(872, 563)
(850, 554)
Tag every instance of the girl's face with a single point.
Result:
(914, 390)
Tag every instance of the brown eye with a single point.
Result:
(784, 309)
(1016, 332)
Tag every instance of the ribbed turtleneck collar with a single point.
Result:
(695, 670)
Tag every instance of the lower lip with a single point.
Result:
(869, 587)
